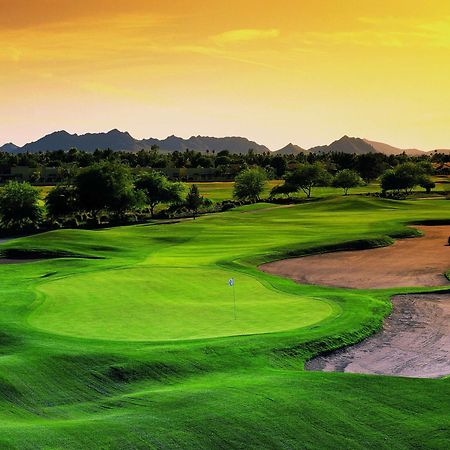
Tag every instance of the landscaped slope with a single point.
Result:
(137, 345)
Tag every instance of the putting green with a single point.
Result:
(154, 303)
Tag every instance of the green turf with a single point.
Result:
(218, 191)
(139, 348)
(223, 190)
(145, 303)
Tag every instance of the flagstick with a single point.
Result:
(234, 297)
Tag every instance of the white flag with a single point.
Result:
(231, 281)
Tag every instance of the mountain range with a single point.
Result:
(119, 140)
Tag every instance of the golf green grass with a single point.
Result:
(134, 344)
(145, 303)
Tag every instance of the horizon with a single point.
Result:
(224, 137)
(306, 73)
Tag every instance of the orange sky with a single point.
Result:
(274, 71)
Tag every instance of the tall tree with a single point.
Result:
(371, 165)
(106, 186)
(158, 189)
(346, 179)
(62, 201)
(249, 184)
(194, 200)
(279, 164)
(307, 176)
(403, 177)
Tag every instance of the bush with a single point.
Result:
(62, 201)
(158, 189)
(19, 208)
(404, 177)
(346, 179)
(249, 184)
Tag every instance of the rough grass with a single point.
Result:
(118, 351)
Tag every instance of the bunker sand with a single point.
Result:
(415, 339)
(418, 261)
(414, 342)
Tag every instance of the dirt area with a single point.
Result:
(414, 342)
(409, 262)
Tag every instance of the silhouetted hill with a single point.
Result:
(62, 140)
(122, 140)
(345, 145)
(118, 140)
(390, 150)
(203, 143)
(290, 149)
(9, 147)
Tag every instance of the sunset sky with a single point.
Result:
(279, 71)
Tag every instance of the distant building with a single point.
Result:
(53, 175)
(195, 174)
(38, 175)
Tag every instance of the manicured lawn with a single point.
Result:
(139, 348)
(223, 190)
(144, 303)
(219, 191)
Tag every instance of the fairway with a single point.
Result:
(132, 343)
(148, 303)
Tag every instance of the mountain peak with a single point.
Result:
(345, 144)
(60, 133)
(116, 132)
(290, 149)
(9, 147)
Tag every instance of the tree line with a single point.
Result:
(109, 192)
(369, 166)
(396, 182)
(106, 192)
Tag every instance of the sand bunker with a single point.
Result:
(414, 342)
(409, 262)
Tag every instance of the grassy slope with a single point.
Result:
(245, 391)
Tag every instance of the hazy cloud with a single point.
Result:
(387, 32)
(247, 34)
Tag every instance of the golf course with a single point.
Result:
(132, 337)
